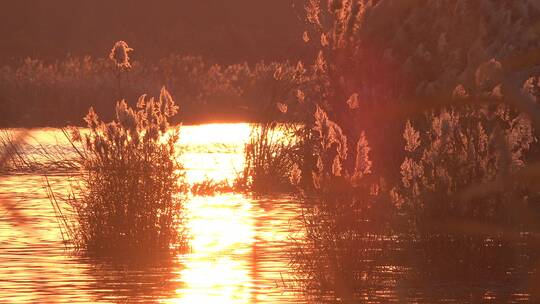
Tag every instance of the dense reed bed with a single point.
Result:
(393, 150)
(39, 93)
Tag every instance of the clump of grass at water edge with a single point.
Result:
(128, 196)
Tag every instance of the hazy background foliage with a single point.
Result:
(36, 93)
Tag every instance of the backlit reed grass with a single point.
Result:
(34, 92)
(270, 154)
(461, 201)
(129, 195)
(275, 143)
(451, 217)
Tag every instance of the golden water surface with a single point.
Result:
(243, 248)
(237, 243)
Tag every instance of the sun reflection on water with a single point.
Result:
(237, 243)
(222, 234)
(213, 151)
(220, 227)
(230, 260)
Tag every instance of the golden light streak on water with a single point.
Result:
(237, 243)
(228, 236)
(213, 151)
(33, 260)
(217, 270)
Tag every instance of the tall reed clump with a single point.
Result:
(270, 153)
(274, 146)
(130, 191)
(446, 199)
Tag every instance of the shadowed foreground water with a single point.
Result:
(243, 250)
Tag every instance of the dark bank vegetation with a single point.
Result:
(418, 131)
(37, 93)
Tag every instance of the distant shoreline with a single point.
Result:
(187, 122)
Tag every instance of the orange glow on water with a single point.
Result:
(236, 242)
(213, 151)
(230, 235)
(222, 233)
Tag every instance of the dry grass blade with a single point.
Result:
(209, 187)
(66, 229)
(33, 156)
(11, 148)
(72, 144)
(9, 151)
